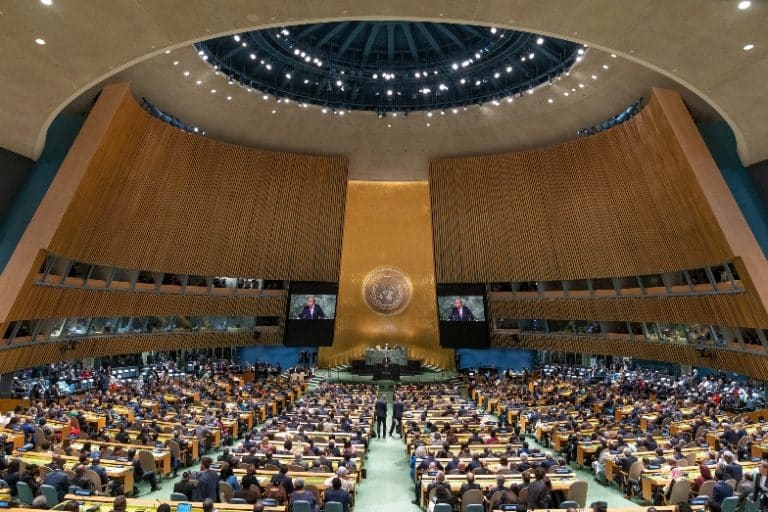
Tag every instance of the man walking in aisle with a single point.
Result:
(397, 417)
(381, 417)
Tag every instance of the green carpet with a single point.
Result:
(388, 486)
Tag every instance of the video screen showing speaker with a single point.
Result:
(311, 314)
(462, 310)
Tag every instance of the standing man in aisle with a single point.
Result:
(381, 417)
(397, 417)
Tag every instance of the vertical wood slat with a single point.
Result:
(158, 198)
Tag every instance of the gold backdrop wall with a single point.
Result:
(387, 225)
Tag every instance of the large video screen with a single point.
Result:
(311, 314)
(462, 312)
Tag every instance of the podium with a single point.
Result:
(391, 371)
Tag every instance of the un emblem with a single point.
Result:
(387, 290)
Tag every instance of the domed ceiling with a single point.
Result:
(388, 66)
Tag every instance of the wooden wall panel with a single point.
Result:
(619, 203)
(45, 353)
(753, 365)
(53, 302)
(158, 198)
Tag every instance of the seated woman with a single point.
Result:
(704, 474)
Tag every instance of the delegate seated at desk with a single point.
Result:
(312, 311)
(460, 312)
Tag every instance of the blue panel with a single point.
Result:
(286, 356)
(60, 137)
(501, 358)
(722, 144)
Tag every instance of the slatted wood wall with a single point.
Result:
(751, 364)
(620, 203)
(161, 199)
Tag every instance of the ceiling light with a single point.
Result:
(324, 111)
(477, 55)
(199, 82)
(428, 125)
(296, 51)
(496, 102)
(580, 51)
(509, 69)
(540, 40)
(493, 30)
(550, 100)
(522, 58)
(613, 55)
(50, 2)
(389, 92)
(605, 66)
(531, 56)
(265, 97)
(463, 81)
(565, 93)
(201, 53)
(581, 86)
(341, 112)
(594, 77)
(338, 83)
(287, 100)
(269, 67)
(375, 76)
(302, 54)
(510, 99)
(40, 41)
(455, 111)
(213, 91)
(389, 126)
(175, 63)
(288, 76)
(578, 59)
(167, 52)
(746, 47)
(442, 112)
(244, 44)
(496, 75)
(744, 4)
(237, 38)
(274, 111)
(186, 73)
(253, 56)
(455, 65)
(417, 74)
(229, 98)
(196, 129)
(429, 114)
(394, 114)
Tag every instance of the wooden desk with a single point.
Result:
(137, 504)
(121, 471)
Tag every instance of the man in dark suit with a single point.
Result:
(460, 312)
(381, 417)
(732, 468)
(760, 492)
(336, 493)
(312, 311)
(720, 491)
(397, 417)
(185, 486)
(207, 482)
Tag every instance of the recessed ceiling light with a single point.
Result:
(746, 47)
(213, 91)
(613, 55)
(580, 51)
(274, 111)
(605, 66)
(50, 2)
(550, 100)
(199, 82)
(389, 126)
(540, 40)
(40, 41)
(265, 97)
(565, 93)
(175, 63)
(594, 77)
(186, 73)
(581, 86)
(237, 38)
(744, 4)
(167, 51)
(229, 98)
(428, 125)
(494, 30)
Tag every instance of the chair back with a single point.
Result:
(25, 493)
(4, 484)
(301, 506)
(578, 493)
(51, 496)
(226, 492)
(635, 470)
(147, 461)
(179, 496)
(680, 491)
(271, 467)
(474, 507)
(705, 489)
(471, 497)
(175, 449)
(691, 458)
(94, 478)
(569, 504)
(238, 501)
(334, 506)
(443, 507)
(729, 504)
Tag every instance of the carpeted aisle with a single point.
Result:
(388, 486)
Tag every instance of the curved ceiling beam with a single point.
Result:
(431, 39)
(351, 38)
(411, 44)
(371, 39)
